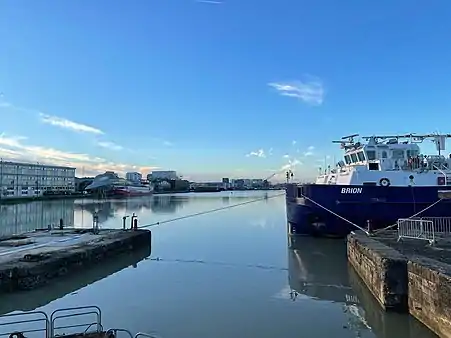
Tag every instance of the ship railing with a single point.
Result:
(72, 322)
(25, 324)
(416, 228)
(75, 319)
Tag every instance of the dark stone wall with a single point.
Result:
(30, 273)
(381, 268)
(430, 294)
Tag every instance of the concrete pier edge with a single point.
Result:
(20, 274)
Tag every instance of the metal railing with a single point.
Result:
(442, 225)
(24, 323)
(72, 313)
(424, 228)
(416, 228)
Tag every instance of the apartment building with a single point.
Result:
(27, 179)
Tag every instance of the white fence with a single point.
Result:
(424, 228)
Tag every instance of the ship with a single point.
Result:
(111, 185)
(379, 180)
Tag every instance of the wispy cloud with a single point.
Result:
(293, 142)
(258, 153)
(168, 144)
(211, 2)
(110, 145)
(311, 90)
(309, 151)
(16, 148)
(68, 124)
(286, 156)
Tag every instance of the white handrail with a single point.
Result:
(442, 172)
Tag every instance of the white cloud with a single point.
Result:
(286, 156)
(68, 124)
(308, 153)
(258, 153)
(311, 91)
(110, 145)
(14, 148)
(270, 151)
(311, 148)
(293, 142)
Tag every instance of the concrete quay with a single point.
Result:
(34, 259)
(406, 276)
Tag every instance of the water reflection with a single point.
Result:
(30, 300)
(24, 217)
(113, 208)
(385, 325)
(318, 269)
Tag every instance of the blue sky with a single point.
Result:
(215, 89)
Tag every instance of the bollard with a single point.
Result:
(134, 222)
(123, 222)
(95, 223)
(369, 225)
(61, 224)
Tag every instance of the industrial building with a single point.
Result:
(134, 176)
(27, 179)
(162, 175)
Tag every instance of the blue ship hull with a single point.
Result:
(361, 205)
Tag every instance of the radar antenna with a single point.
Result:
(347, 142)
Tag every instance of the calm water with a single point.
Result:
(227, 274)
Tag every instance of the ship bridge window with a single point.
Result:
(371, 155)
(397, 153)
(347, 159)
(384, 154)
(354, 158)
(412, 153)
(361, 156)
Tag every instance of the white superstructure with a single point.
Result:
(19, 179)
(390, 160)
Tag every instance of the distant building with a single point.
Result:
(162, 175)
(134, 176)
(26, 179)
(226, 183)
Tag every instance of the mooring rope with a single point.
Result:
(209, 211)
(415, 215)
(335, 214)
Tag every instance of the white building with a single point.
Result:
(162, 175)
(134, 176)
(27, 179)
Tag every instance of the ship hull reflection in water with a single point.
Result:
(25, 217)
(30, 300)
(318, 268)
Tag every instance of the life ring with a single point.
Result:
(384, 182)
